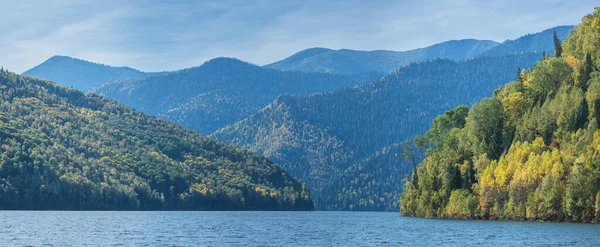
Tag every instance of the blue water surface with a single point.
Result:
(92, 228)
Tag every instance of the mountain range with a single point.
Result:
(220, 92)
(347, 61)
(340, 131)
(347, 145)
(319, 137)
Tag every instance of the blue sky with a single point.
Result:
(168, 35)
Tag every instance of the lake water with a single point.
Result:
(43, 228)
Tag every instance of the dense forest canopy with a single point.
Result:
(529, 152)
(63, 150)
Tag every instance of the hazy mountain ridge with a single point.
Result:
(536, 42)
(219, 92)
(347, 61)
(82, 75)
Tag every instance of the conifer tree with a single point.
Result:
(557, 46)
(585, 72)
(409, 154)
(544, 56)
(579, 116)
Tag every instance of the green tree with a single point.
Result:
(548, 76)
(580, 196)
(585, 72)
(409, 155)
(441, 125)
(484, 126)
(544, 56)
(579, 116)
(461, 205)
(421, 143)
(557, 46)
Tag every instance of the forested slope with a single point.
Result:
(529, 152)
(62, 150)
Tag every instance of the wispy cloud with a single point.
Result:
(166, 35)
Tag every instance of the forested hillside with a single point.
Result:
(62, 150)
(529, 152)
(347, 144)
(80, 74)
(220, 92)
(352, 62)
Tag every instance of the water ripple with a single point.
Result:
(50, 228)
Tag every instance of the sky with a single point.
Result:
(153, 35)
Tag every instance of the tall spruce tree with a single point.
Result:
(557, 46)
(544, 56)
(585, 72)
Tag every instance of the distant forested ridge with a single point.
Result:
(529, 152)
(537, 42)
(347, 145)
(63, 150)
(346, 61)
(350, 62)
(81, 74)
(220, 92)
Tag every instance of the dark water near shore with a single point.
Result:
(39, 228)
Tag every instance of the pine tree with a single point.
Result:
(544, 56)
(585, 72)
(410, 155)
(597, 110)
(580, 115)
(557, 46)
(522, 75)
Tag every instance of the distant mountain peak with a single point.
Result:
(225, 61)
(64, 58)
(303, 54)
(81, 74)
(57, 57)
(313, 51)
